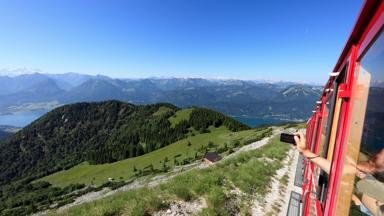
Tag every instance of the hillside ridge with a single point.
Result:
(158, 179)
(202, 189)
(99, 132)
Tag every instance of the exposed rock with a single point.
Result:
(182, 208)
(271, 204)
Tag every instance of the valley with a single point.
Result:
(7, 131)
(90, 146)
(262, 102)
(69, 152)
(85, 151)
(25, 116)
(189, 149)
(197, 189)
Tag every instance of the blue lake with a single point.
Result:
(21, 119)
(254, 121)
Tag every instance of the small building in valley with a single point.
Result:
(211, 157)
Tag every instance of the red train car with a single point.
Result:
(347, 126)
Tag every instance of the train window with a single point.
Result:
(322, 177)
(335, 122)
(331, 114)
(325, 125)
(315, 132)
(369, 184)
(334, 117)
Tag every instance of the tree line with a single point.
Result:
(100, 132)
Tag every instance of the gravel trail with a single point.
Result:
(153, 181)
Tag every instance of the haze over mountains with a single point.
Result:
(7, 131)
(164, 126)
(281, 100)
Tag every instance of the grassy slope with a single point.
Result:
(98, 174)
(246, 171)
(299, 125)
(162, 110)
(180, 115)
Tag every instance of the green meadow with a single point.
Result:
(180, 115)
(248, 172)
(123, 170)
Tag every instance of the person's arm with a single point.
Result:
(372, 205)
(323, 163)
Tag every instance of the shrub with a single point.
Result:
(244, 171)
(216, 200)
(236, 143)
(211, 144)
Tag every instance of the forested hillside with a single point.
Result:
(99, 133)
(4, 135)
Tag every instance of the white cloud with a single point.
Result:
(19, 71)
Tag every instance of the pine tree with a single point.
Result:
(165, 168)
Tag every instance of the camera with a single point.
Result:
(287, 138)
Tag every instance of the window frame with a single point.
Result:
(331, 130)
(334, 204)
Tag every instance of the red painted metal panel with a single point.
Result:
(372, 30)
(338, 160)
(319, 210)
(368, 24)
(335, 176)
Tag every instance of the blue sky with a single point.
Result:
(278, 40)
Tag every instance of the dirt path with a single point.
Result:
(291, 186)
(271, 204)
(277, 200)
(153, 181)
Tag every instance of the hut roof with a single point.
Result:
(212, 156)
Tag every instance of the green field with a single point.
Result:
(247, 172)
(162, 110)
(180, 115)
(124, 170)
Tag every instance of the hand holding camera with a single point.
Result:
(297, 139)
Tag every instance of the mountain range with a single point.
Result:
(281, 100)
(7, 131)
